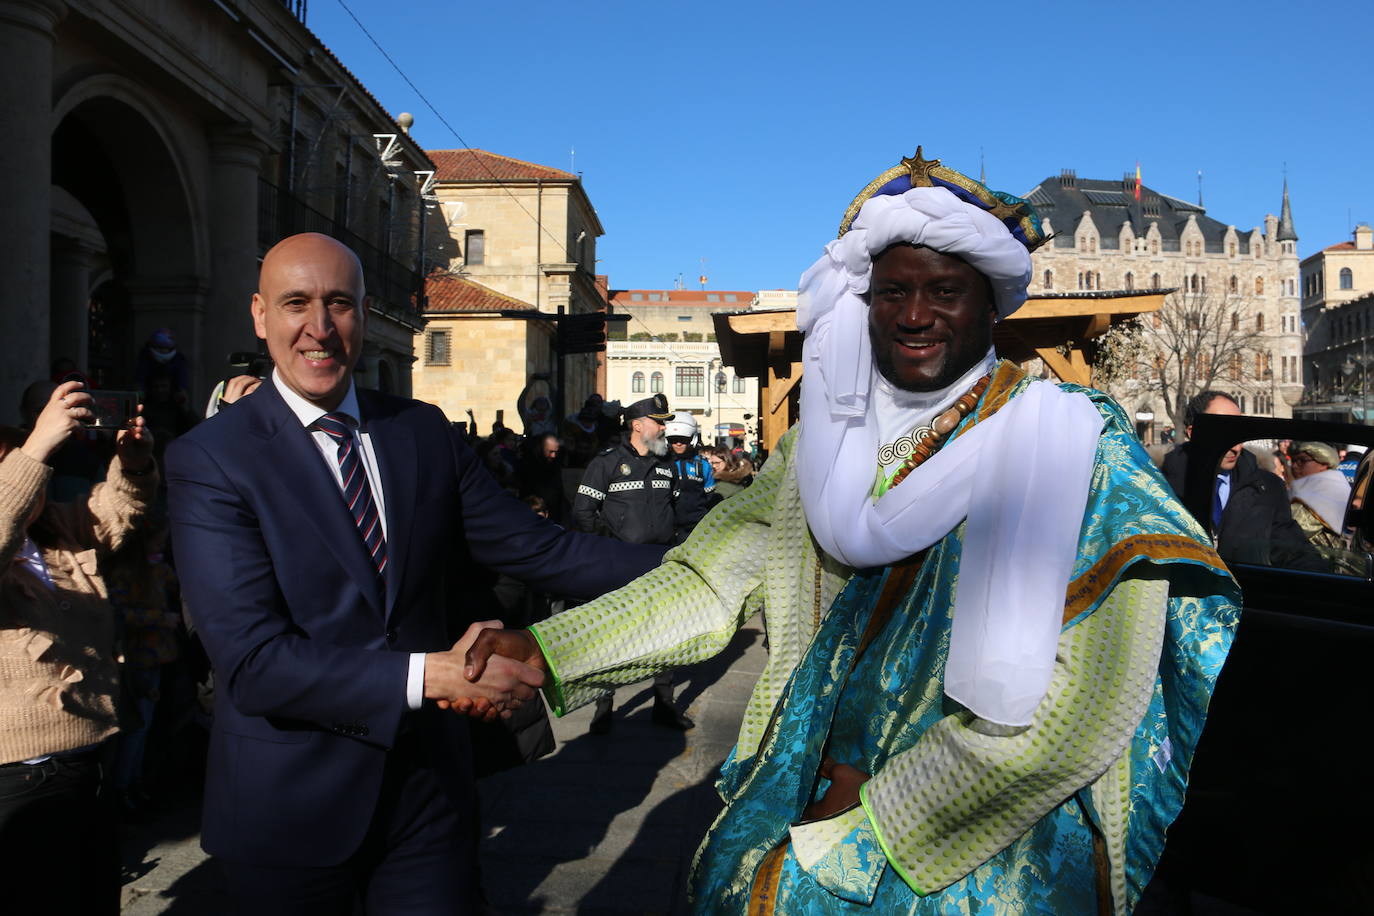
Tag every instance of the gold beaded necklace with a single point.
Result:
(927, 439)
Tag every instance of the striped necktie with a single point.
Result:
(357, 491)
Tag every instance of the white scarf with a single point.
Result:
(1021, 478)
(1326, 494)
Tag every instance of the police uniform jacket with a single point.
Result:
(628, 496)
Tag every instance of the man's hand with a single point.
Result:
(519, 645)
(501, 687)
(62, 416)
(134, 445)
(843, 793)
(238, 386)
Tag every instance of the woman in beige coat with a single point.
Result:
(58, 678)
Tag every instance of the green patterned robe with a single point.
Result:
(971, 817)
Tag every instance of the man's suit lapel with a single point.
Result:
(313, 493)
(393, 442)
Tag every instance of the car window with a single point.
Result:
(1291, 498)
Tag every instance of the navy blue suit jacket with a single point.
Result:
(310, 653)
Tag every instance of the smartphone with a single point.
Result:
(113, 409)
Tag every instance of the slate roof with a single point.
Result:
(449, 293)
(1286, 231)
(480, 165)
(1063, 201)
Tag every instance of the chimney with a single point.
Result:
(1364, 237)
(1068, 178)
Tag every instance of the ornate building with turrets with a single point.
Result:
(1115, 235)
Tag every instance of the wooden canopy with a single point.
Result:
(1059, 328)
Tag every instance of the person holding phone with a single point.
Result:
(58, 848)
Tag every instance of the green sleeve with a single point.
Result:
(969, 788)
(686, 610)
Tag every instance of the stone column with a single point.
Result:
(26, 76)
(69, 312)
(236, 153)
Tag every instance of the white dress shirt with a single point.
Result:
(309, 414)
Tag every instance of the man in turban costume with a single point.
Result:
(994, 631)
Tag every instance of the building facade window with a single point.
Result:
(637, 383)
(436, 348)
(1130, 280)
(689, 381)
(1347, 278)
(1234, 285)
(737, 385)
(474, 247)
(720, 383)
(1259, 322)
(656, 383)
(1049, 279)
(1259, 286)
(1154, 281)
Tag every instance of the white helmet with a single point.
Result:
(682, 424)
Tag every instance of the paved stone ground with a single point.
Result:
(604, 825)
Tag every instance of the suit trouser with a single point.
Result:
(663, 693)
(419, 856)
(59, 850)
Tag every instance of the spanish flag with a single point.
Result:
(1137, 181)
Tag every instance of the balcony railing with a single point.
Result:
(296, 8)
(395, 288)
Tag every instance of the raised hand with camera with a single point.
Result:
(66, 411)
(134, 445)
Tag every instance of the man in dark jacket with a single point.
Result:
(628, 493)
(1250, 519)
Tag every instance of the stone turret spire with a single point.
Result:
(1286, 231)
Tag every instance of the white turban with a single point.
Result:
(933, 217)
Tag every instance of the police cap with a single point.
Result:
(655, 408)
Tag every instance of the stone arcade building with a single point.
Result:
(1106, 239)
(154, 150)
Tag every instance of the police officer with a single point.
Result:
(696, 481)
(628, 493)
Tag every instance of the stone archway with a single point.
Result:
(113, 161)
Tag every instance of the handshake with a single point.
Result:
(488, 673)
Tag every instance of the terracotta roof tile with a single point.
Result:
(448, 293)
(480, 165)
(1340, 246)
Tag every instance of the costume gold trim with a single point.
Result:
(1088, 588)
(764, 893)
(920, 170)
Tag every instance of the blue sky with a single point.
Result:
(739, 131)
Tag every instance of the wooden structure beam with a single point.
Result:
(1059, 329)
